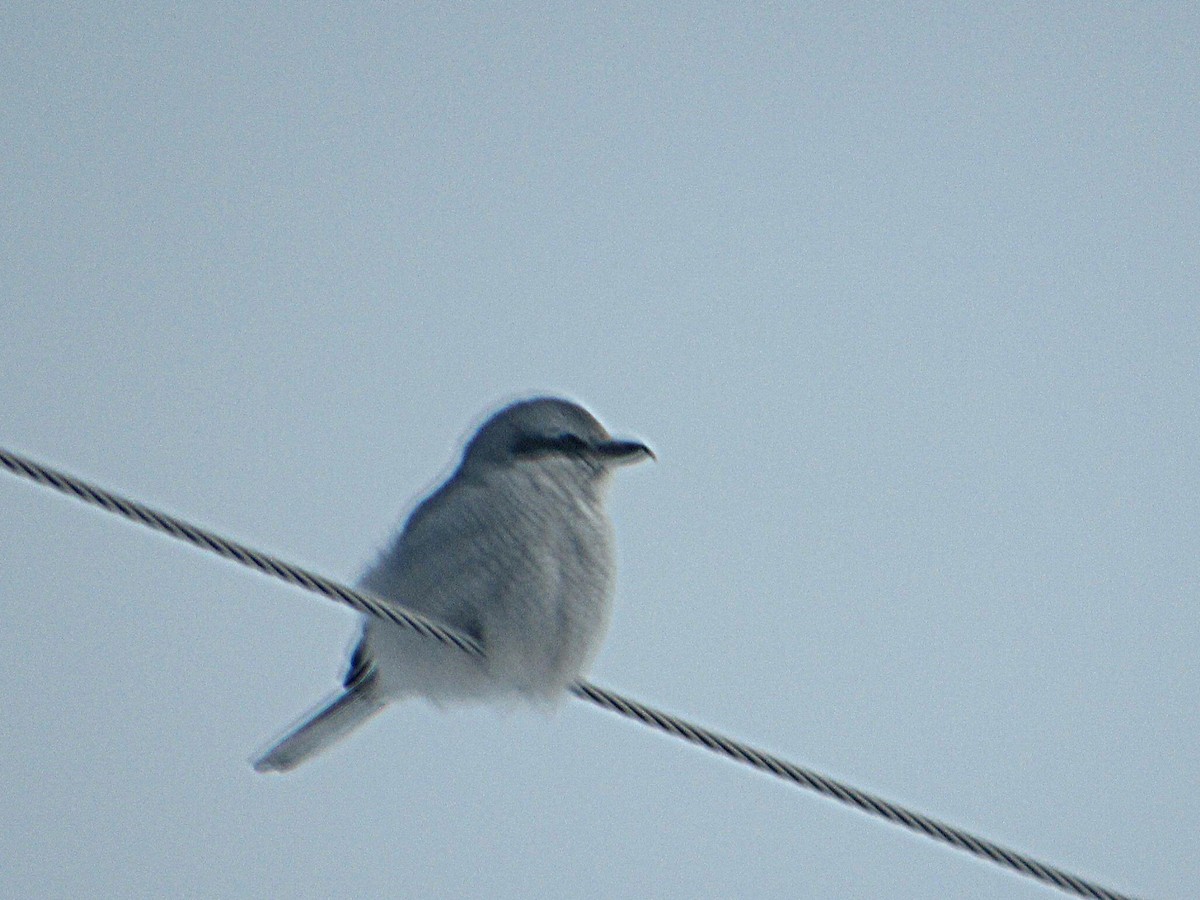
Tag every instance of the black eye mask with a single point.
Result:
(541, 445)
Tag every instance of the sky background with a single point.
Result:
(904, 297)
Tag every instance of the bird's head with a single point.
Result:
(549, 431)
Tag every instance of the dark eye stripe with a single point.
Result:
(571, 443)
(531, 445)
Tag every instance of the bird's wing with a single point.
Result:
(441, 563)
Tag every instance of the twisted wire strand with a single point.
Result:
(844, 793)
(602, 697)
(214, 543)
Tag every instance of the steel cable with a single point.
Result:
(673, 725)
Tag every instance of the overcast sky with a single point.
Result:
(904, 298)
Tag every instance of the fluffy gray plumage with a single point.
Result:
(515, 549)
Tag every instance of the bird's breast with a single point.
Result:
(553, 613)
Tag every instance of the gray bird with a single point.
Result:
(515, 550)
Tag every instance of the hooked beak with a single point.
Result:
(624, 453)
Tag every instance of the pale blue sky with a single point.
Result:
(904, 297)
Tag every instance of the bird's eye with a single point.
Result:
(530, 446)
(572, 443)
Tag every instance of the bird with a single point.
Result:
(515, 550)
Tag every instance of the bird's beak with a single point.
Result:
(623, 453)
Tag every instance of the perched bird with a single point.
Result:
(515, 550)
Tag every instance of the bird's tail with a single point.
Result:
(319, 730)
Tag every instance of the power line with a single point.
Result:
(673, 725)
